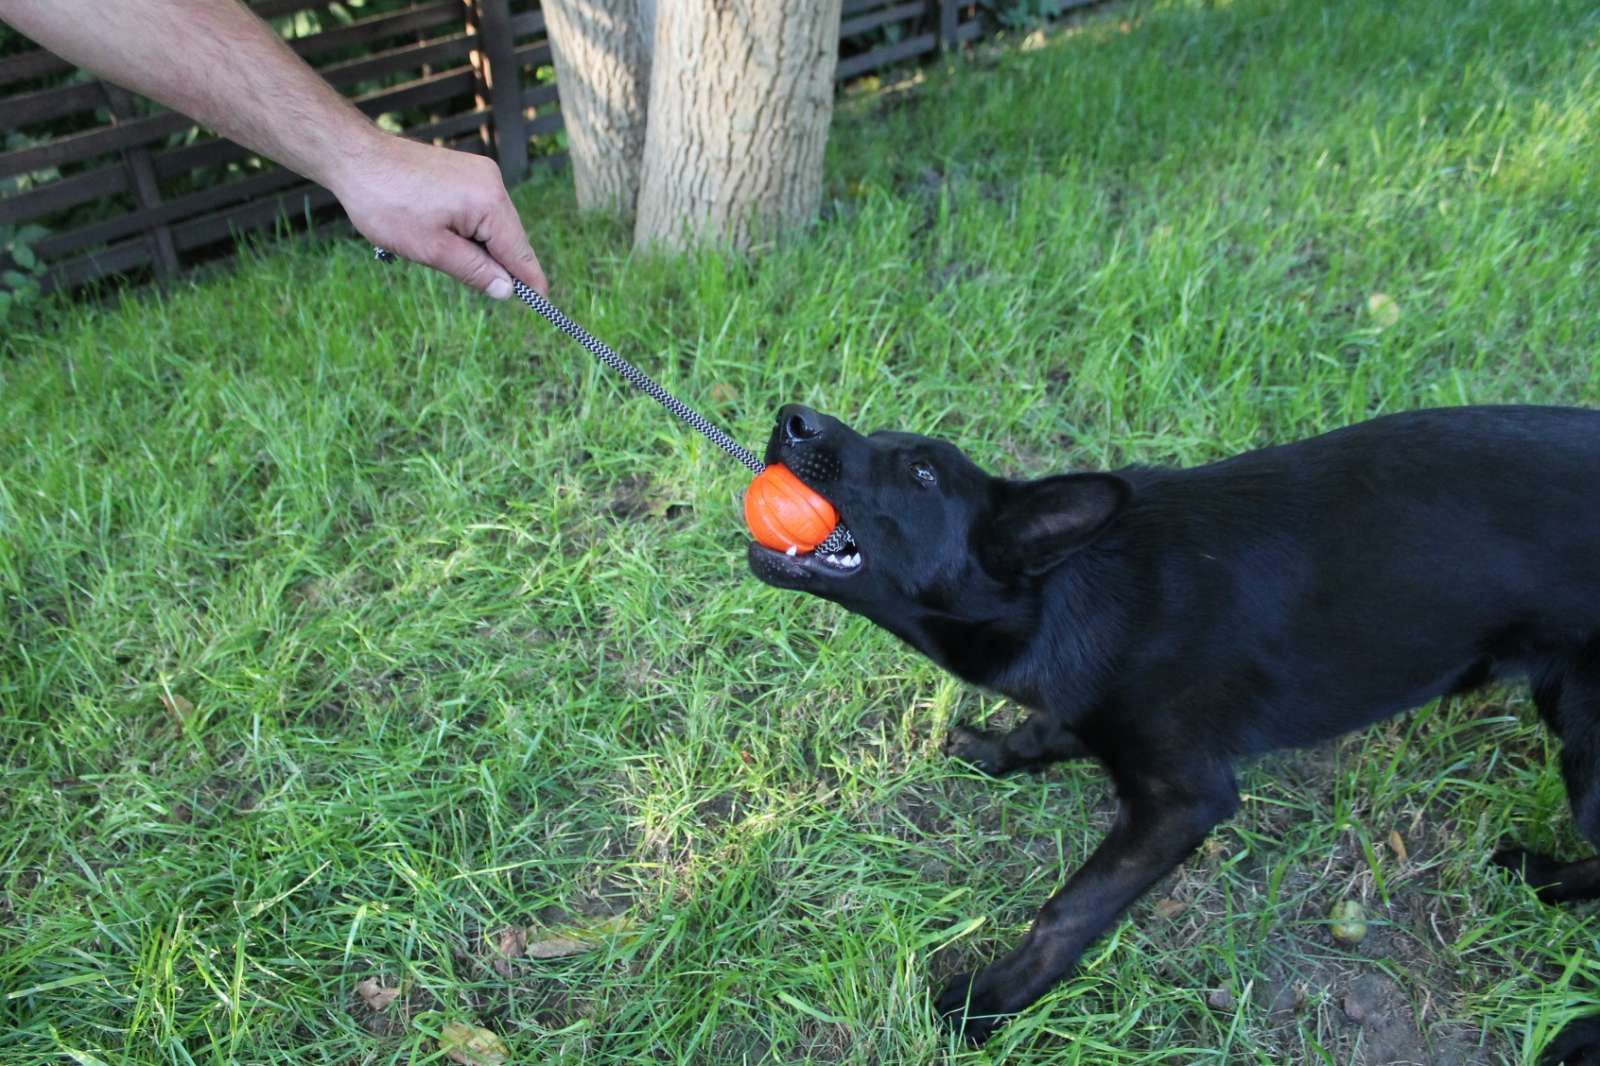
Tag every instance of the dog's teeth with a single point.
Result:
(792, 551)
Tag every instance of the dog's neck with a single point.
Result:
(986, 639)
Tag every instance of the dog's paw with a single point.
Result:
(961, 1007)
(1576, 1045)
(1539, 871)
(976, 747)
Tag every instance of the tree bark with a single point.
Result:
(601, 50)
(741, 95)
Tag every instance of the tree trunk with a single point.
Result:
(601, 50)
(741, 95)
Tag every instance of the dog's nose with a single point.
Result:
(799, 423)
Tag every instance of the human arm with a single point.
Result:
(216, 62)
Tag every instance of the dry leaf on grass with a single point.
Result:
(510, 943)
(1169, 908)
(177, 706)
(1397, 845)
(471, 1046)
(374, 995)
(575, 941)
(556, 947)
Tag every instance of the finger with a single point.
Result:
(503, 235)
(467, 262)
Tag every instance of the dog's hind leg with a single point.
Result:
(1576, 1045)
(1568, 697)
(1033, 745)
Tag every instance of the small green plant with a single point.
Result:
(20, 267)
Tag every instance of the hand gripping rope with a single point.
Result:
(642, 381)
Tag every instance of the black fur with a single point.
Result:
(1170, 622)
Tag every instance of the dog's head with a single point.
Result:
(942, 552)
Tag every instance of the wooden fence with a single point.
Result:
(107, 184)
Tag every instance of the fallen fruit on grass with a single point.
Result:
(1347, 922)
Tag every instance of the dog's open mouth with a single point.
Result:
(843, 561)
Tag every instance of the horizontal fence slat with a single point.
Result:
(292, 204)
(533, 55)
(527, 23)
(882, 57)
(378, 27)
(77, 147)
(63, 194)
(855, 7)
(391, 60)
(898, 13)
(118, 259)
(449, 127)
(544, 124)
(273, 9)
(427, 90)
(46, 104)
(539, 94)
(30, 65)
(176, 209)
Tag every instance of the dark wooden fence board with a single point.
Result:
(915, 9)
(462, 70)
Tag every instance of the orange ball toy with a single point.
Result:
(783, 513)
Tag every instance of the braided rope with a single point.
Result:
(644, 383)
(638, 378)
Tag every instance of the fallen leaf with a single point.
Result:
(177, 706)
(374, 995)
(555, 947)
(574, 941)
(471, 1046)
(511, 943)
(1397, 845)
(1169, 908)
(1384, 311)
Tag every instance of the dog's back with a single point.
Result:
(1373, 567)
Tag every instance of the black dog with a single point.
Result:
(1171, 622)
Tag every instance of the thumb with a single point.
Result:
(468, 263)
(502, 234)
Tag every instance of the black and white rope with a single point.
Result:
(644, 383)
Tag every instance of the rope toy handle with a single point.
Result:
(644, 383)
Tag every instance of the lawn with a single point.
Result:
(371, 662)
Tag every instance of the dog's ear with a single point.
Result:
(1037, 524)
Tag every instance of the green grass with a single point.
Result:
(349, 621)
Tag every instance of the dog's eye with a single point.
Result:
(924, 473)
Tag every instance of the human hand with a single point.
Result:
(445, 209)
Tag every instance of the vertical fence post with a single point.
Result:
(499, 88)
(949, 22)
(142, 179)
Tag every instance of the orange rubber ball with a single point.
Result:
(783, 513)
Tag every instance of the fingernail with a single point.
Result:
(499, 289)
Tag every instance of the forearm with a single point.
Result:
(214, 61)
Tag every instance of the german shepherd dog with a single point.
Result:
(1171, 622)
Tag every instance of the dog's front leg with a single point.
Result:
(1160, 821)
(1033, 745)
